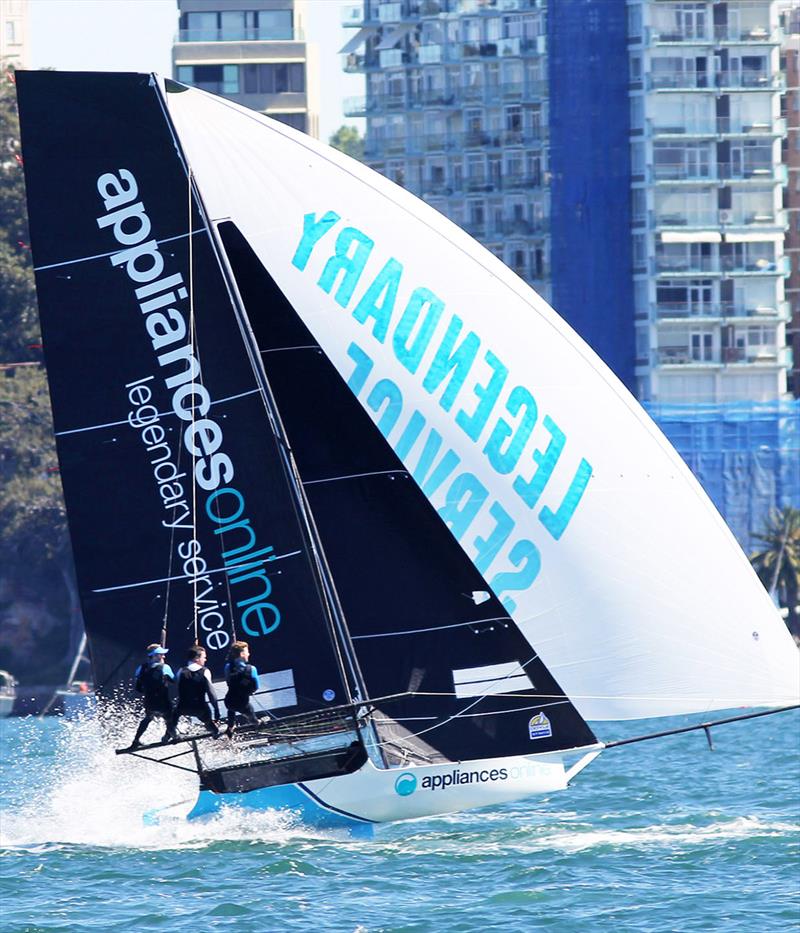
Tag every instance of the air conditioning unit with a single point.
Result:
(725, 217)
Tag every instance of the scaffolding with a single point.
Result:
(746, 455)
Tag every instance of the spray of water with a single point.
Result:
(63, 785)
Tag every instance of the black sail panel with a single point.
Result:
(178, 496)
(467, 684)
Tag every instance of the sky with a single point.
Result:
(136, 35)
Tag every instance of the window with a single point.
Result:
(637, 113)
(513, 118)
(295, 120)
(217, 79)
(200, 27)
(274, 78)
(236, 25)
(275, 24)
(11, 31)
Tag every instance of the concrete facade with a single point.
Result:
(14, 33)
(254, 52)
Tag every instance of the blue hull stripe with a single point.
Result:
(328, 806)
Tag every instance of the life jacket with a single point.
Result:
(192, 688)
(241, 684)
(150, 681)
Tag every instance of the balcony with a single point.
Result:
(518, 181)
(352, 15)
(241, 34)
(682, 81)
(670, 172)
(681, 171)
(673, 35)
(689, 220)
(390, 12)
(684, 355)
(765, 355)
(752, 265)
(720, 310)
(755, 33)
(749, 80)
(722, 126)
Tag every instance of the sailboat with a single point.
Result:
(295, 405)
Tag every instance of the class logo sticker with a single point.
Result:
(539, 727)
(405, 785)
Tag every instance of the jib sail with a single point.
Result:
(451, 674)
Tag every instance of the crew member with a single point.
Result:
(153, 679)
(242, 680)
(196, 691)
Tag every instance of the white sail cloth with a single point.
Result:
(573, 505)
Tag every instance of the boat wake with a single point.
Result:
(79, 793)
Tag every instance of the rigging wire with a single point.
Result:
(192, 347)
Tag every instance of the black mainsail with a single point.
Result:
(179, 503)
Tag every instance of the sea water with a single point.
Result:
(658, 836)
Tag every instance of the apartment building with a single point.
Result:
(456, 111)
(707, 201)
(625, 158)
(790, 111)
(254, 52)
(14, 33)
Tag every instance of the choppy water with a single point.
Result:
(661, 836)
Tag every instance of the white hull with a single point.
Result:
(374, 795)
(6, 705)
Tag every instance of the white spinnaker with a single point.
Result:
(645, 605)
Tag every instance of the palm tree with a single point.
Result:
(778, 564)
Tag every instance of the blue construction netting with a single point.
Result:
(745, 454)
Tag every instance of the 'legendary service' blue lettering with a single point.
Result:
(451, 373)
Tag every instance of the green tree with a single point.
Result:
(778, 563)
(35, 559)
(348, 140)
(19, 326)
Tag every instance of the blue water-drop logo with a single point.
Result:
(328, 695)
(406, 784)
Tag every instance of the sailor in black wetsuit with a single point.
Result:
(242, 680)
(153, 679)
(196, 691)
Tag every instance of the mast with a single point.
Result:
(349, 668)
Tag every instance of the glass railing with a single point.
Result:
(441, 142)
(242, 34)
(684, 81)
(753, 32)
(697, 218)
(722, 171)
(721, 309)
(756, 80)
(352, 15)
(750, 265)
(721, 126)
(693, 356)
(715, 218)
(390, 12)
(702, 35)
(680, 171)
(684, 355)
(670, 34)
